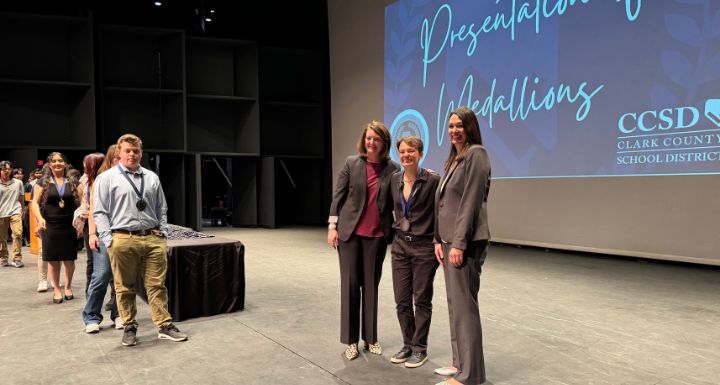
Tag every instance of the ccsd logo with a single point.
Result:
(408, 123)
(677, 118)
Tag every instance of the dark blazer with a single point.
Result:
(422, 211)
(350, 195)
(461, 201)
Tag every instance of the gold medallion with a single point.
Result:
(61, 204)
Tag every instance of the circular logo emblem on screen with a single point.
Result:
(408, 123)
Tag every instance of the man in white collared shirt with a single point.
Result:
(130, 213)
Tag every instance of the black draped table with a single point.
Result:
(205, 276)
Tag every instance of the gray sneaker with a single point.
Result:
(416, 360)
(17, 263)
(171, 333)
(129, 338)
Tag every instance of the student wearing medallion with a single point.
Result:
(413, 258)
(130, 215)
(360, 227)
(461, 241)
(55, 198)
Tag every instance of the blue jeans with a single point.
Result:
(101, 276)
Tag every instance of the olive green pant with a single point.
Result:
(134, 256)
(15, 224)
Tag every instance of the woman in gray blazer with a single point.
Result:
(360, 228)
(461, 239)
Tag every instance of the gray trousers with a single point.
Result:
(413, 271)
(462, 285)
(361, 260)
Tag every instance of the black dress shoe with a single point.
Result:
(69, 297)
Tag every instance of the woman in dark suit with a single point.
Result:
(461, 239)
(360, 228)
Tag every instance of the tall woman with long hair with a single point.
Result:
(55, 198)
(461, 240)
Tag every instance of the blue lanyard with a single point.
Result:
(142, 182)
(406, 204)
(61, 189)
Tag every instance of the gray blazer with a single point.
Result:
(461, 201)
(351, 192)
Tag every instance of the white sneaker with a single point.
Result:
(446, 371)
(17, 264)
(92, 328)
(119, 324)
(42, 286)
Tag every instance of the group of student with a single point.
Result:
(431, 221)
(119, 208)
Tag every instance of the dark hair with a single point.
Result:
(91, 165)
(412, 141)
(18, 170)
(5, 163)
(382, 131)
(472, 132)
(44, 181)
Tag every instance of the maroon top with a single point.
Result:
(369, 223)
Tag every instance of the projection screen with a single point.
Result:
(602, 117)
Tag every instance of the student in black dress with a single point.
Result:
(55, 199)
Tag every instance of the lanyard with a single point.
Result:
(61, 189)
(142, 183)
(405, 205)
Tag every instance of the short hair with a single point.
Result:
(382, 131)
(412, 141)
(5, 163)
(131, 139)
(18, 170)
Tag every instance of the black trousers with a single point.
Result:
(462, 285)
(361, 260)
(413, 271)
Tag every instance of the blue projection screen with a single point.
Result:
(562, 88)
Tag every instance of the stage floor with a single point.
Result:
(548, 318)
